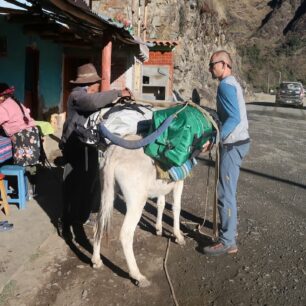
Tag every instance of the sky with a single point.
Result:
(3, 3)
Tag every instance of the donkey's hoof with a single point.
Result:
(180, 241)
(159, 232)
(96, 264)
(143, 283)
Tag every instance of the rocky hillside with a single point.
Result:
(271, 39)
(266, 38)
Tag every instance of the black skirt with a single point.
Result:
(26, 147)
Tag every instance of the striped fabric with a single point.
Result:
(181, 172)
(5, 149)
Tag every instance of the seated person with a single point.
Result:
(17, 124)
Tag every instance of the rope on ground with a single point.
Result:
(167, 274)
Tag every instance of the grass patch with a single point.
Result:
(34, 256)
(7, 292)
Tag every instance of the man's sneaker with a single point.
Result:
(219, 248)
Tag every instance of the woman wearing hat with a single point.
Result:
(81, 181)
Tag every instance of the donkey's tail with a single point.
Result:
(103, 223)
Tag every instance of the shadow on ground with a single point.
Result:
(272, 104)
(48, 191)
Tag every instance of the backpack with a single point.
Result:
(186, 134)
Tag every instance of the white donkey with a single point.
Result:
(135, 174)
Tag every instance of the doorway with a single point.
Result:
(71, 63)
(31, 100)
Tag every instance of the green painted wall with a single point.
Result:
(12, 66)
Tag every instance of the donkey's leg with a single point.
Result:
(132, 217)
(105, 212)
(160, 209)
(98, 231)
(176, 208)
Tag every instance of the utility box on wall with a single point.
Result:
(157, 80)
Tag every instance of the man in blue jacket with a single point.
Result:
(235, 143)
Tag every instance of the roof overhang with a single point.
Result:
(9, 8)
(55, 19)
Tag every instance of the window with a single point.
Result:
(154, 92)
(145, 80)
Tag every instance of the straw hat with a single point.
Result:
(86, 74)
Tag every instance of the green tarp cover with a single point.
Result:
(177, 143)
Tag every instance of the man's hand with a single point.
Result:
(126, 92)
(207, 146)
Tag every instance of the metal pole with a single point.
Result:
(133, 12)
(268, 83)
(138, 18)
(145, 20)
(279, 77)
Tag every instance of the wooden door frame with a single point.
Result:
(70, 65)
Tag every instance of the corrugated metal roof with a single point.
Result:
(81, 5)
(77, 14)
(11, 6)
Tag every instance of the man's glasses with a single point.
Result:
(212, 64)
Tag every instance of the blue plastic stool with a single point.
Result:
(22, 186)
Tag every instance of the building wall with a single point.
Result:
(118, 72)
(113, 7)
(50, 74)
(122, 68)
(13, 64)
(163, 59)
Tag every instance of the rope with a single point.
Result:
(217, 142)
(135, 144)
(140, 143)
(208, 116)
(206, 201)
(167, 274)
(158, 103)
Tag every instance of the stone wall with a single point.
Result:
(199, 27)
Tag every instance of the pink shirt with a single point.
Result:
(11, 117)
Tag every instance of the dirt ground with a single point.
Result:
(269, 268)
